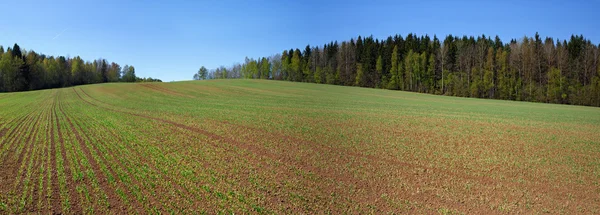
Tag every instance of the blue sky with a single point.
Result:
(170, 40)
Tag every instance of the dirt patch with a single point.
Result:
(3, 132)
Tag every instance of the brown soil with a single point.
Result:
(152, 200)
(25, 153)
(113, 200)
(39, 154)
(3, 132)
(13, 134)
(136, 206)
(74, 200)
(425, 185)
(372, 191)
(55, 197)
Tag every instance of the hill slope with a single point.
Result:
(270, 146)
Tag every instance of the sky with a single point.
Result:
(170, 40)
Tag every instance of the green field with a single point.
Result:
(254, 146)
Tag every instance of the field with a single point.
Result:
(252, 146)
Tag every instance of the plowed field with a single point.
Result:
(252, 146)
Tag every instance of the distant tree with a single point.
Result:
(442, 55)
(430, 74)
(265, 68)
(285, 65)
(295, 66)
(148, 79)
(276, 67)
(504, 80)
(37, 77)
(410, 66)
(330, 75)
(488, 75)
(556, 84)
(77, 70)
(307, 73)
(16, 51)
(9, 68)
(201, 74)
(319, 75)
(224, 73)
(360, 77)
(103, 69)
(253, 70)
(114, 72)
(395, 76)
(129, 74)
(379, 70)
(470, 66)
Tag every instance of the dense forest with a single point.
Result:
(529, 69)
(22, 70)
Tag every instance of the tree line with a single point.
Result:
(528, 69)
(22, 70)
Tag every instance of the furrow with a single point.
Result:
(177, 186)
(55, 186)
(33, 191)
(73, 203)
(286, 160)
(94, 144)
(10, 138)
(114, 203)
(27, 176)
(13, 169)
(44, 181)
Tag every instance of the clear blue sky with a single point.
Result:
(170, 40)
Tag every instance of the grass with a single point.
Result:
(256, 146)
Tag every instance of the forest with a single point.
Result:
(528, 69)
(22, 70)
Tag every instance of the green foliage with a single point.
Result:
(330, 76)
(77, 70)
(129, 74)
(11, 77)
(379, 67)
(556, 86)
(27, 70)
(307, 73)
(360, 76)
(488, 84)
(319, 75)
(394, 83)
(265, 69)
(464, 66)
(429, 81)
(285, 65)
(201, 74)
(295, 66)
